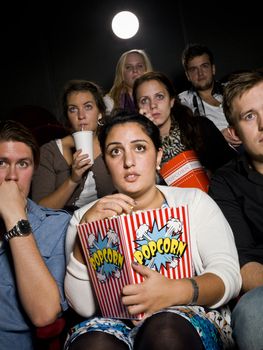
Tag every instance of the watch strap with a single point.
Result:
(16, 231)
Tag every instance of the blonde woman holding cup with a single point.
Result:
(68, 178)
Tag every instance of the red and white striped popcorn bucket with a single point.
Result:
(158, 238)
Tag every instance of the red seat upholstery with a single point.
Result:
(51, 337)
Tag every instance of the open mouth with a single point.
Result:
(131, 177)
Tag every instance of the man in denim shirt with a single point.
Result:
(32, 259)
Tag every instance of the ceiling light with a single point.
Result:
(125, 24)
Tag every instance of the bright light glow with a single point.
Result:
(125, 24)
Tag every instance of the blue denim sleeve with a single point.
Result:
(50, 236)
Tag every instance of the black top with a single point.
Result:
(238, 190)
(216, 151)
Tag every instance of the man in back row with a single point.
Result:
(237, 188)
(205, 95)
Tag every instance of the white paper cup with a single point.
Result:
(84, 141)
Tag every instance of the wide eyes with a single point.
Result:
(160, 97)
(88, 106)
(145, 100)
(2, 163)
(140, 148)
(137, 67)
(249, 116)
(195, 70)
(117, 151)
(74, 109)
(21, 164)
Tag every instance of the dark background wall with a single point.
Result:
(45, 44)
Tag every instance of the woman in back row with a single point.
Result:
(155, 97)
(131, 65)
(65, 178)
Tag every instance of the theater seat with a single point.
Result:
(48, 132)
(32, 116)
(51, 337)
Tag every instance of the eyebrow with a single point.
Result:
(241, 114)
(26, 159)
(18, 160)
(155, 93)
(75, 105)
(115, 143)
(199, 65)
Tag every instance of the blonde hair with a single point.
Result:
(118, 85)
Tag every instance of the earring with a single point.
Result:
(99, 122)
(158, 168)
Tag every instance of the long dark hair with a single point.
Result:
(189, 127)
(82, 86)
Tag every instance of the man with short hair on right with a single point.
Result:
(237, 188)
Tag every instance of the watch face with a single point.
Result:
(24, 226)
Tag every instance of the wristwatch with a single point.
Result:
(22, 228)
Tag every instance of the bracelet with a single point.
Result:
(195, 292)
